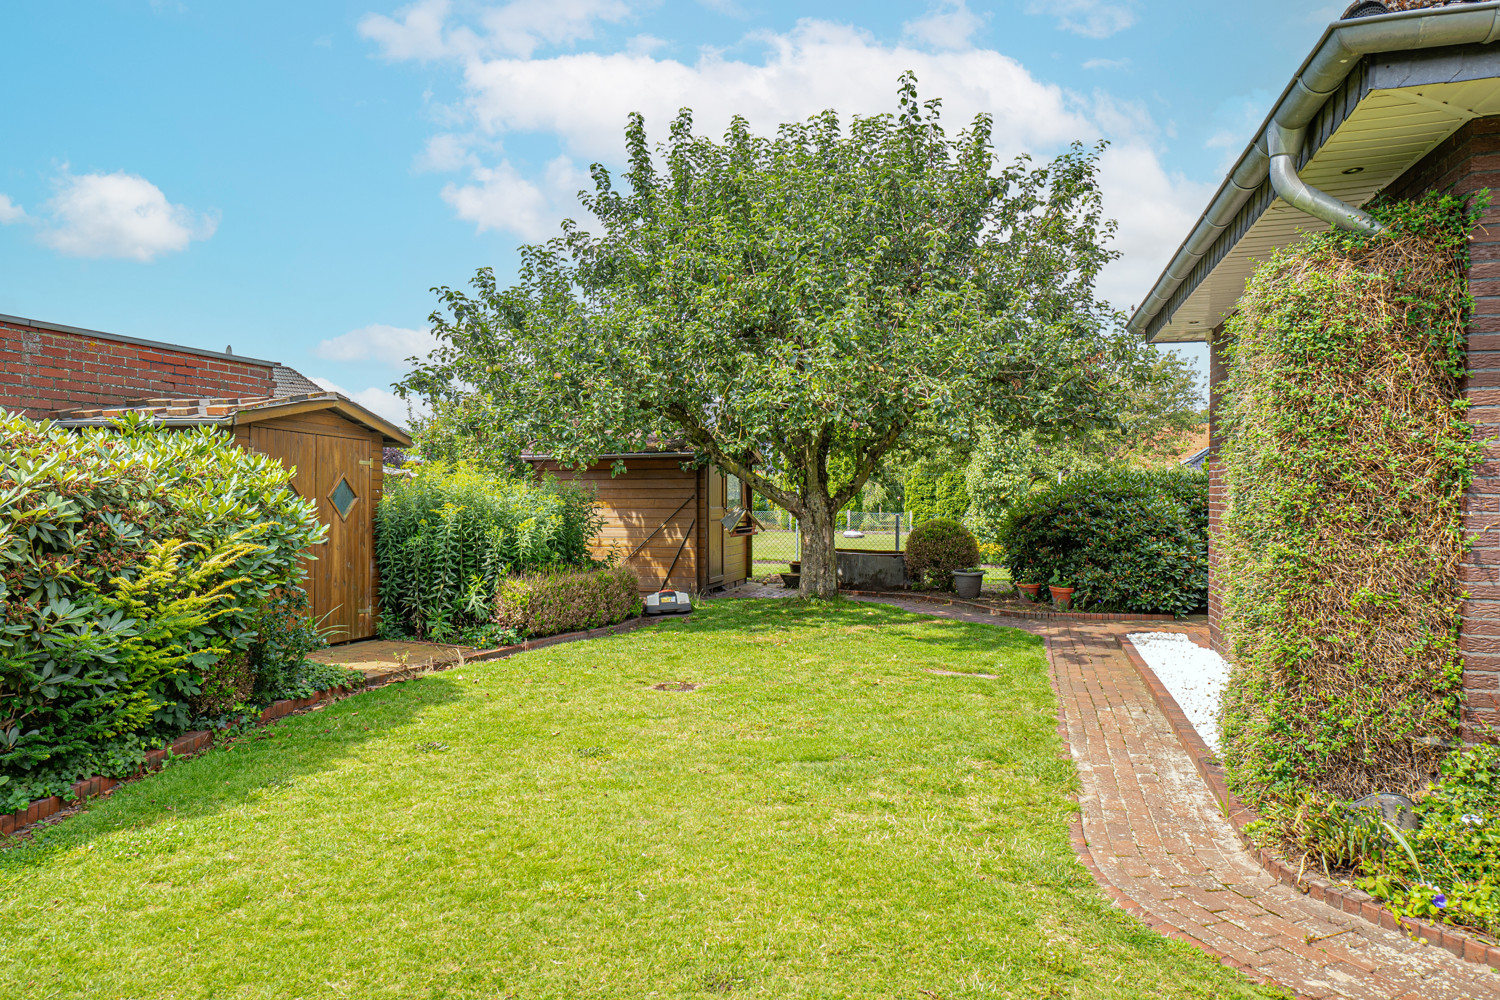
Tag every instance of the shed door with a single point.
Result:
(334, 468)
(715, 530)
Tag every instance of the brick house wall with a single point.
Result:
(1469, 161)
(45, 368)
(1216, 493)
(1466, 162)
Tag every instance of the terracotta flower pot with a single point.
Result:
(1063, 596)
(1028, 591)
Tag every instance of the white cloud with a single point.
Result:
(119, 215)
(418, 35)
(584, 98)
(949, 25)
(500, 198)
(10, 211)
(448, 151)
(1235, 121)
(1155, 211)
(381, 402)
(1106, 64)
(516, 29)
(390, 345)
(1090, 18)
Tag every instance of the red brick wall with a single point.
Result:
(42, 370)
(1216, 497)
(1467, 162)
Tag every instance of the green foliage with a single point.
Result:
(1447, 870)
(1346, 458)
(447, 536)
(133, 565)
(1153, 422)
(284, 634)
(936, 548)
(778, 301)
(943, 496)
(1129, 541)
(553, 603)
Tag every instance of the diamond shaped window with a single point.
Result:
(343, 498)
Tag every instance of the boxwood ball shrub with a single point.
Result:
(543, 604)
(936, 548)
(134, 564)
(1128, 541)
(447, 536)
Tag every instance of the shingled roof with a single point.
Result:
(233, 412)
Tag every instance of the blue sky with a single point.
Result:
(292, 178)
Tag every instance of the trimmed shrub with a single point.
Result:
(446, 537)
(133, 565)
(546, 604)
(1127, 541)
(1347, 456)
(936, 548)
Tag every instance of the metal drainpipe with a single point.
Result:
(1285, 145)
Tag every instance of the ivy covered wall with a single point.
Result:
(1346, 456)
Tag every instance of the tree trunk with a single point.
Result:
(820, 571)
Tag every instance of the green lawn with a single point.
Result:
(822, 817)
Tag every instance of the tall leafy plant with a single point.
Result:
(447, 536)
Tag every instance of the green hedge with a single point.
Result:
(134, 566)
(446, 537)
(545, 604)
(929, 497)
(936, 548)
(1127, 541)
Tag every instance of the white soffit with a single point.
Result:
(1387, 133)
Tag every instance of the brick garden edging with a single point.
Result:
(1346, 898)
(1075, 616)
(190, 744)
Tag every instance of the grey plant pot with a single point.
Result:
(967, 582)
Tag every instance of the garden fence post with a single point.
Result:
(797, 539)
(898, 531)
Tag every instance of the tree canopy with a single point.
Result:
(779, 303)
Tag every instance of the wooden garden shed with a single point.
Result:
(677, 524)
(334, 446)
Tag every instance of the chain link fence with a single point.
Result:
(780, 543)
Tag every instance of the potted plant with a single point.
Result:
(967, 582)
(1061, 587)
(1029, 591)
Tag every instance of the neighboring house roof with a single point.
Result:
(291, 382)
(1376, 95)
(1196, 459)
(120, 338)
(235, 412)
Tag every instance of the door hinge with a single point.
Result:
(367, 461)
(365, 611)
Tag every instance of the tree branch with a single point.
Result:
(702, 439)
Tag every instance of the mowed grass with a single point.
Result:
(821, 817)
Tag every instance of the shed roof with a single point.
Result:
(235, 412)
(1383, 109)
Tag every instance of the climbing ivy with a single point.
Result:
(1346, 457)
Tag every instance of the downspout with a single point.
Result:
(1337, 55)
(1285, 145)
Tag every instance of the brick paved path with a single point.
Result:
(1158, 839)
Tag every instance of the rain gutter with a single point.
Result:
(1277, 147)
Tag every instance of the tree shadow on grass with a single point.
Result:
(239, 769)
(758, 617)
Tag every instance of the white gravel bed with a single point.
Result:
(1196, 677)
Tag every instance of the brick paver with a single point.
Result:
(1156, 837)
